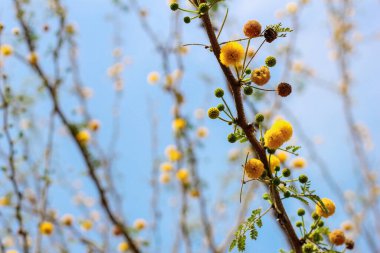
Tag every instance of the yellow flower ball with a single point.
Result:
(337, 237)
(139, 224)
(202, 132)
(329, 205)
(252, 29)
(260, 76)
(6, 50)
(165, 178)
(347, 226)
(33, 58)
(285, 128)
(231, 54)
(5, 201)
(299, 163)
(83, 136)
(273, 138)
(173, 154)
(183, 175)
(70, 29)
(254, 168)
(165, 167)
(179, 124)
(123, 247)
(273, 162)
(93, 125)
(282, 156)
(67, 220)
(153, 77)
(86, 225)
(46, 228)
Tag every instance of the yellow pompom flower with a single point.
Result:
(285, 128)
(282, 156)
(153, 77)
(165, 178)
(231, 54)
(83, 136)
(6, 50)
(179, 124)
(123, 247)
(173, 154)
(139, 224)
(46, 228)
(93, 125)
(33, 58)
(347, 226)
(254, 168)
(5, 201)
(329, 205)
(273, 162)
(202, 132)
(337, 237)
(183, 175)
(299, 163)
(260, 76)
(273, 138)
(86, 225)
(165, 167)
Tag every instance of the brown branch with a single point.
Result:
(248, 129)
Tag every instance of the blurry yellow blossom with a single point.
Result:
(123, 247)
(292, 7)
(153, 77)
(202, 132)
(183, 175)
(139, 224)
(299, 163)
(83, 136)
(67, 219)
(86, 225)
(6, 50)
(179, 124)
(165, 178)
(93, 125)
(33, 58)
(273, 162)
(5, 200)
(173, 154)
(165, 167)
(282, 156)
(46, 228)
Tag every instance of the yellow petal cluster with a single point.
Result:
(231, 54)
(173, 154)
(273, 162)
(254, 168)
(46, 228)
(280, 132)
(329, 205)
(179, 124)
(260, 76)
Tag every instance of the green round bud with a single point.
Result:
(220, 107)
(270, 61)
(219, 92)
(286, 172)
(174, 6)
(187, 19)
(303, 179)
(248, 90)
(315, 216)
(276, 181)
(265, 196)
(231, 138)
(287, 194)
(308, 248)
(271, 151)
(213, 113)
(277, 168)
(203, 8)
(299, 224)
(301, 212)
(248, 71)
(317, 237)
(321, 223)
(259, 118)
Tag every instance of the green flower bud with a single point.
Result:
(277, 168)
(248, 90)
(299, 224)
(276, 181)
(174, 6)
(271, 151)
(286, 172)
(265, 196)
(315, 216)
(187, 19)
(308, 248)
(287, 194)
(301, 212)
(231, 138)
(213, 113)
(219, 92)
(220, 107)
(303, 179)
(270, 61)
(259, 118)
(321, 223)
(248, 71)
(203, 8)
